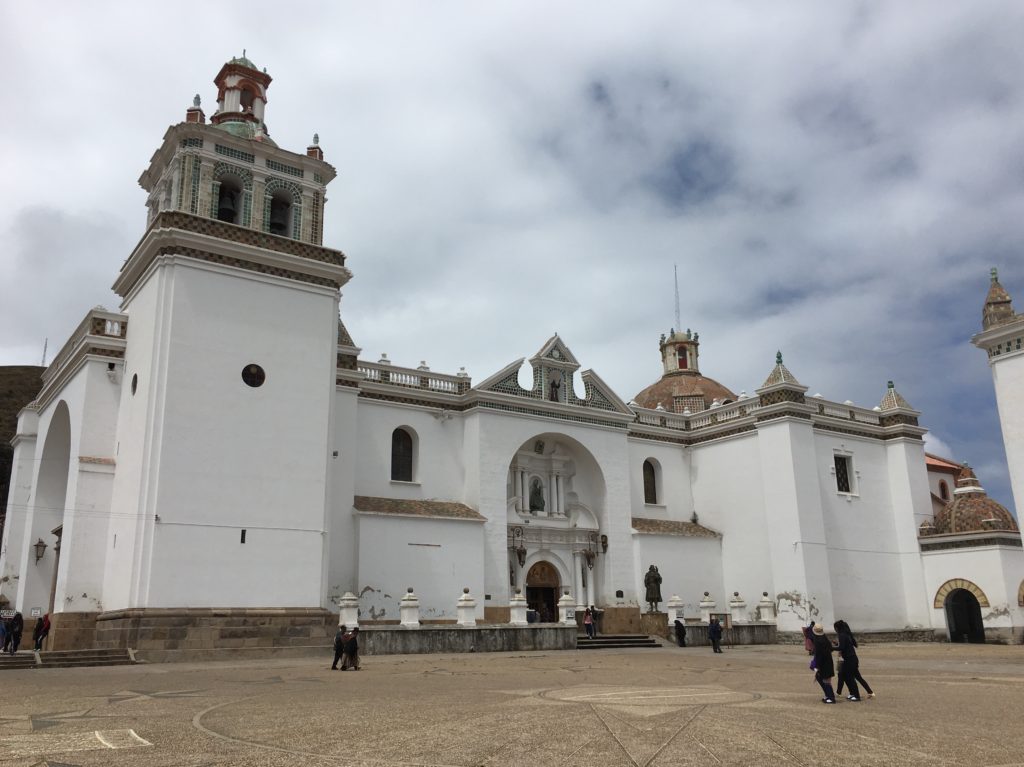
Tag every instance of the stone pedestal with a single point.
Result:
(675, 609)
(348, 615)
(766, 609)
(409, 609)
(517, 609)
(707, 606)
(567, 610)
(738, 608)
(466, 609)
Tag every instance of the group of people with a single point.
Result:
(13, 627)
(821, 648)
(346, 649)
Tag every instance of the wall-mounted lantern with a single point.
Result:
(604, 544)
(40, 547)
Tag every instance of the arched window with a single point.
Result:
(229, 200)
(401, 455)
(650, 483)
(943, 490)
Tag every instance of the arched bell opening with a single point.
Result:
(963, 617)
(229, 202)
(280, 212)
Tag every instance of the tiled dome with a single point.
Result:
(680, 390)
(970, 511)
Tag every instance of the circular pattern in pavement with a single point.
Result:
(648, 696)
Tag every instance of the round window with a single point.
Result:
(253, 375)
(135, 383)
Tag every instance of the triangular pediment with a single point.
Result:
(553, 367)
(555, 352)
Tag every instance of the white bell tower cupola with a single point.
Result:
(242, 97)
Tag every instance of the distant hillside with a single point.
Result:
(19, 385)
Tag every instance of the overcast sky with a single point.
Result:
(833, 179)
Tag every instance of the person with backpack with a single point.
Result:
(715, 634)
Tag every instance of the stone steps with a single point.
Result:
(615, 642)
(77, 658)
(21, 659)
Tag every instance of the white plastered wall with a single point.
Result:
(688, 568)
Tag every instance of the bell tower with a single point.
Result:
(1002, 338)
(223, 432)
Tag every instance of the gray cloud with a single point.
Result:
(833, 179)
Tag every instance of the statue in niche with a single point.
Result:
(652, 582)
(536, 495)
(555, 386)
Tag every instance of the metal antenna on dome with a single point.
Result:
(675, 271)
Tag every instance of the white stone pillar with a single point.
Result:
(577, 577)
(466, 609)
(738, 607)
(591, 587)
(674, 606)
(566, 610)
(707, 606)
(561, 495)
(524, 501)
(551, 494)
(348, 615)
(409, 608)
(517, 609)
(766, 609)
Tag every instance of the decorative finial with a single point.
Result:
(195, 101)
(778, 358)
(243, 53)
(316, 139)
(892, 385)
(995, 274)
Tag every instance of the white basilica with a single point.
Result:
(216, 447)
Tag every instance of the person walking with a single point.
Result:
(351, 650)
(339, 646)
(37, 634)
(588, 623)
(17, 627)
(824, 669)
(850, 670)
(809, 638)
(715, 634)
(680, 633)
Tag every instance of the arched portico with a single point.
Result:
(555, 509)
(46, 514)
(962, 601)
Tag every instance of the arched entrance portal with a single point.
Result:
(542, 584)
(963, 616)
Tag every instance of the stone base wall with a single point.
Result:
(494, 615)
(161, 635)
(388, 640)
(620, 620)
(697, 633)
(867, 637)
(68, 631)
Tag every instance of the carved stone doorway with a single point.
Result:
(542, 584)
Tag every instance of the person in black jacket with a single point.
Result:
(339, 646)
(824, 669)
(680, 633)
(715, 634)
(17, 627)
(351, 651)
(849, 673)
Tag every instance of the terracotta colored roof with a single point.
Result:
(971, 511)
(671, 527)
(403, 507)
(937, 462)
(682, 383)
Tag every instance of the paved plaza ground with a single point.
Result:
(936, 705)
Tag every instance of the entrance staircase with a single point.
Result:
(615, 642)
(66, 659)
